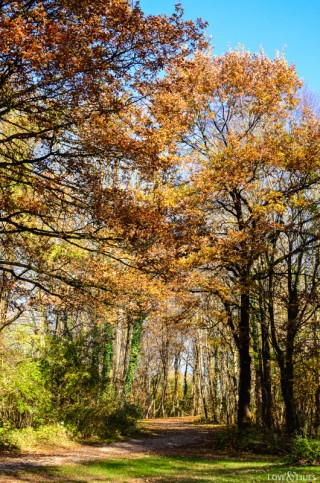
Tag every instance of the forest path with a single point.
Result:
(168, 436)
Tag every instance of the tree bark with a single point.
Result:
(244, 413)
(266, 388)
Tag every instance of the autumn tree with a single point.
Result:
(71, 103)
(244, 155)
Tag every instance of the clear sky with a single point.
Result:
(292, 26)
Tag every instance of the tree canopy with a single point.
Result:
(159, 222)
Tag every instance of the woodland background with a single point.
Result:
(159, 226)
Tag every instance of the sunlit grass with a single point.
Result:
(170, 469)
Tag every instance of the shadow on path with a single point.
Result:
(165, 450)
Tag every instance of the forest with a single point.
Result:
(160, 229)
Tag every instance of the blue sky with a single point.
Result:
(292, 26)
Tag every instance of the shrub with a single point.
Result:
(253, 440)
(305, 451)
(25, 399)
(123, 420)
(88, 418)
(6, 444)
(29, 438)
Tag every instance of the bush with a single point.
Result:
(252, 440)
(6, 444)
(305, 451)
(29, 438)
(82, 397)
(40, 389)
(123, 420)
(25, 399)
(99, 418)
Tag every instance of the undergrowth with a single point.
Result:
(26, 439)
(305, 451)
(296, 450)
(253, 440)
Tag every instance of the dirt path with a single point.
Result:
(180, 436)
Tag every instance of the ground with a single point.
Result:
(168, 450)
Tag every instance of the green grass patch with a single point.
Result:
(177, 469)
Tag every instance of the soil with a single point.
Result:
(170, 436)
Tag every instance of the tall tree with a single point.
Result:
(240, 141)
(70, 107)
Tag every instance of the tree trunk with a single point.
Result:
(317, 411)
(287, 373)
(135, 345)
(175, 395)
(285, 357)
(244, 413)
(107, 353)
(265, 368)
(266, 388)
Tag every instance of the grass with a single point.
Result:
(46, 438)
(30, 439)
(174, 469)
